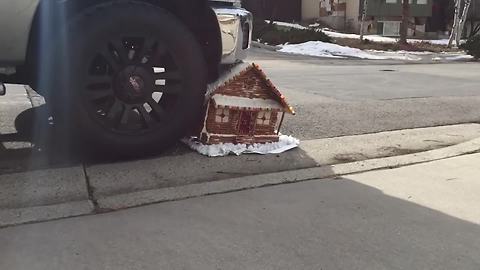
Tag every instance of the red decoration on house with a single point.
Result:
(245, 108)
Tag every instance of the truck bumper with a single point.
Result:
(236, 30)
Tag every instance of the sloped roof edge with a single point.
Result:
(240, 69)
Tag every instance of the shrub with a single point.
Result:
(472, 46)
(269, 33)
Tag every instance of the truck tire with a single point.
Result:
(132, 78)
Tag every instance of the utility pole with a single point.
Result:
(364, 15)
(405, 22)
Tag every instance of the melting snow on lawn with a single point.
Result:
(381, 39)
(220, 150)
(290, 25)
(324, 49)
(374, 38)
(459, 57)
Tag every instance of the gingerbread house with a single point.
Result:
(246, 108)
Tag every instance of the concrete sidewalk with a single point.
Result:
(424, 216)
(83, 189)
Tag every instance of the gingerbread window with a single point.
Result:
(222, 115)
(263, 118)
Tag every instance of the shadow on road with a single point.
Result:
(324, 224)
(37, 144)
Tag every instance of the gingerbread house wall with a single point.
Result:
(215, 132)
(221, 128)
(268, 129)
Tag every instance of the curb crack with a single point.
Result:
(90, 191)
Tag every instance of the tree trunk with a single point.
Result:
(364, 15)
(475, 29)
(472, 28)
(456, 20)
(461, 24)
(405, 22)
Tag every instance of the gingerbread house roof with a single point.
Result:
(247, 86)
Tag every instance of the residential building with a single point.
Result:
(383, 16)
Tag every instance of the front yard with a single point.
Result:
(315, 41)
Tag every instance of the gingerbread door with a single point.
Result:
(246, 124)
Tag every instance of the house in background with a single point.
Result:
(281, 10)
(474, 17)
(383, 16)
(441, 20)
(442, 14)
(330, 12)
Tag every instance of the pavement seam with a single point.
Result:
(29, 95)
(90, 190)
(33, 97)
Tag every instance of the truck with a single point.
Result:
(126, 76)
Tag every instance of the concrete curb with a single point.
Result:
(265, 46)
(43, 195)
(86, 204)
(123, 201)
(10, 217)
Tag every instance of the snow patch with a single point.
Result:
(382, 39)
(452, 57)
(459, 57)
(324, 49)
(220, 150)
(289, 25)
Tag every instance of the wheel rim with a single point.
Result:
(133, 85)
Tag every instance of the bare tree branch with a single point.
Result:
(456, 20)
(364, 15)
(405, 22)
(461, 24)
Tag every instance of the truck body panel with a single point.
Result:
(16, 18)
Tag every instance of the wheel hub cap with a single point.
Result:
(134, 84)
(137, 84)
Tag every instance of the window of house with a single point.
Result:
(263, 118)
(391, 1)
(222, 115)
(391, 29)
(422, 2)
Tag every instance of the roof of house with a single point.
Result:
(247, 86)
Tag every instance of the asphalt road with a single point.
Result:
(332, 97)
(418, 217)
(348, 97)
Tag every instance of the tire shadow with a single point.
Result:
(38, 144)
(35, 145)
